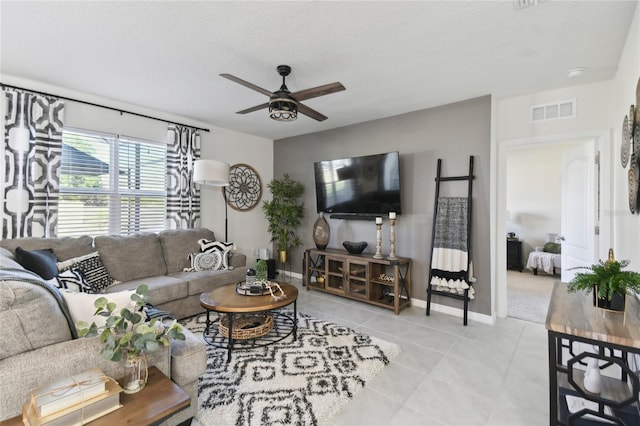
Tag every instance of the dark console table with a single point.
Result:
(514, 254)
(577, 331)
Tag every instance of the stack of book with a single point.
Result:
(73, 400)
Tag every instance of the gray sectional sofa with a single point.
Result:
(37, 344)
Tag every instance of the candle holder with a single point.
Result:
(392, 239)
(378, 254)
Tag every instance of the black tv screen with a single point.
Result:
(367, 186)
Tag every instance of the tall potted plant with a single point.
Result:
(608, 281)
(284, 213)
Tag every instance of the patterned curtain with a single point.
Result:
(31, 167)
(183, 198)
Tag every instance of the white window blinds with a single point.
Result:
(111, 185)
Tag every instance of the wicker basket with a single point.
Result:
(247, 326)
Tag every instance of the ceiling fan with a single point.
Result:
(284, 105)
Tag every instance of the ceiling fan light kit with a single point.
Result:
(281, 109)
(284, 105)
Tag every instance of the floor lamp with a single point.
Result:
(213, 173)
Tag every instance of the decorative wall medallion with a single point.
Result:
(634, 172)
(636, 141)
(245, 187)
(626, 141)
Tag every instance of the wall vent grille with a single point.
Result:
(554, 111)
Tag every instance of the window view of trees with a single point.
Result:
(111, 185)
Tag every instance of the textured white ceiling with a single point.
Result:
(393, 57)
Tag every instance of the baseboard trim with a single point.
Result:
(449, 310)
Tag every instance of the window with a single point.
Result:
(111, 184)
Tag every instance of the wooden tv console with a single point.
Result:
(380, 282)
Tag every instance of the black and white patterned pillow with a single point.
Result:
(73, 279)
(205, 262)
(94, 271)
(208, 246)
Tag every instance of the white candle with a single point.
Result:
(378, 220)
(392, 215)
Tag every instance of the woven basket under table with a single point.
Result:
(246, 326)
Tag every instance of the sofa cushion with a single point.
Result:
(82, 308)
(8, 260)
(42, 262)
(73, 279)
(178, 244)
(162, 288)
(93, 270)
(204, 281)
(205, 262)
(224, 248)
(132, 257)
(30, 318)
(64, 248)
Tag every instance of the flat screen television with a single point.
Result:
(360, 186)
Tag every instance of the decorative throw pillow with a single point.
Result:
(81, 305)
(224, 248)
(42, 262)
(205, 261)
(92, 268)
(73, 280)
(552, 248)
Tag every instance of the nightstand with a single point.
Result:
(514, 254)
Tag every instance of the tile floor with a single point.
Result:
(446, 374)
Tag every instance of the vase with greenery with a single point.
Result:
(126, 335)
(284, 213)
(608, 281)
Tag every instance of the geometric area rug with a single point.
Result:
(305, 382)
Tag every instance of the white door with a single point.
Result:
(578, 208)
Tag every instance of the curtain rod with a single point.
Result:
(121, 111)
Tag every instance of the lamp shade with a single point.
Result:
(211, 172)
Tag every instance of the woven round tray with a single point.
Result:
(248, 326)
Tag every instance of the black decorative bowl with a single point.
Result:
(355, 247)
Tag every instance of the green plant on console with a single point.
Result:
(261, 269)
(609, 278)
(126, 333)
(284, 212)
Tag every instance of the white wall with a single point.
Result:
(600, 109)
(246, 229)
(534, 193)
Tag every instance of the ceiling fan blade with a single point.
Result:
(311, 112)
(314, 92)
(252, 109)
(246, 84)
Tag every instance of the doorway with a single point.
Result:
(601, 139)
(534, 199)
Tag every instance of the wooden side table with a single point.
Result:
(160, 399)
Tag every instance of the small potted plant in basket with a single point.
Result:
(608, 281)
(125, 334)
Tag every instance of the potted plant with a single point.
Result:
(261, 270)
(284, 213)
(126, 334)
(608, 281)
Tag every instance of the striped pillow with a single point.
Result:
(72, 279)
(94, 271)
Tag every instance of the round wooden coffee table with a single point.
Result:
(225, 300)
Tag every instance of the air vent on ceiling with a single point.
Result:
(522, 4)
(563, 109)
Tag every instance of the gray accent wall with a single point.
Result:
(451, 132)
